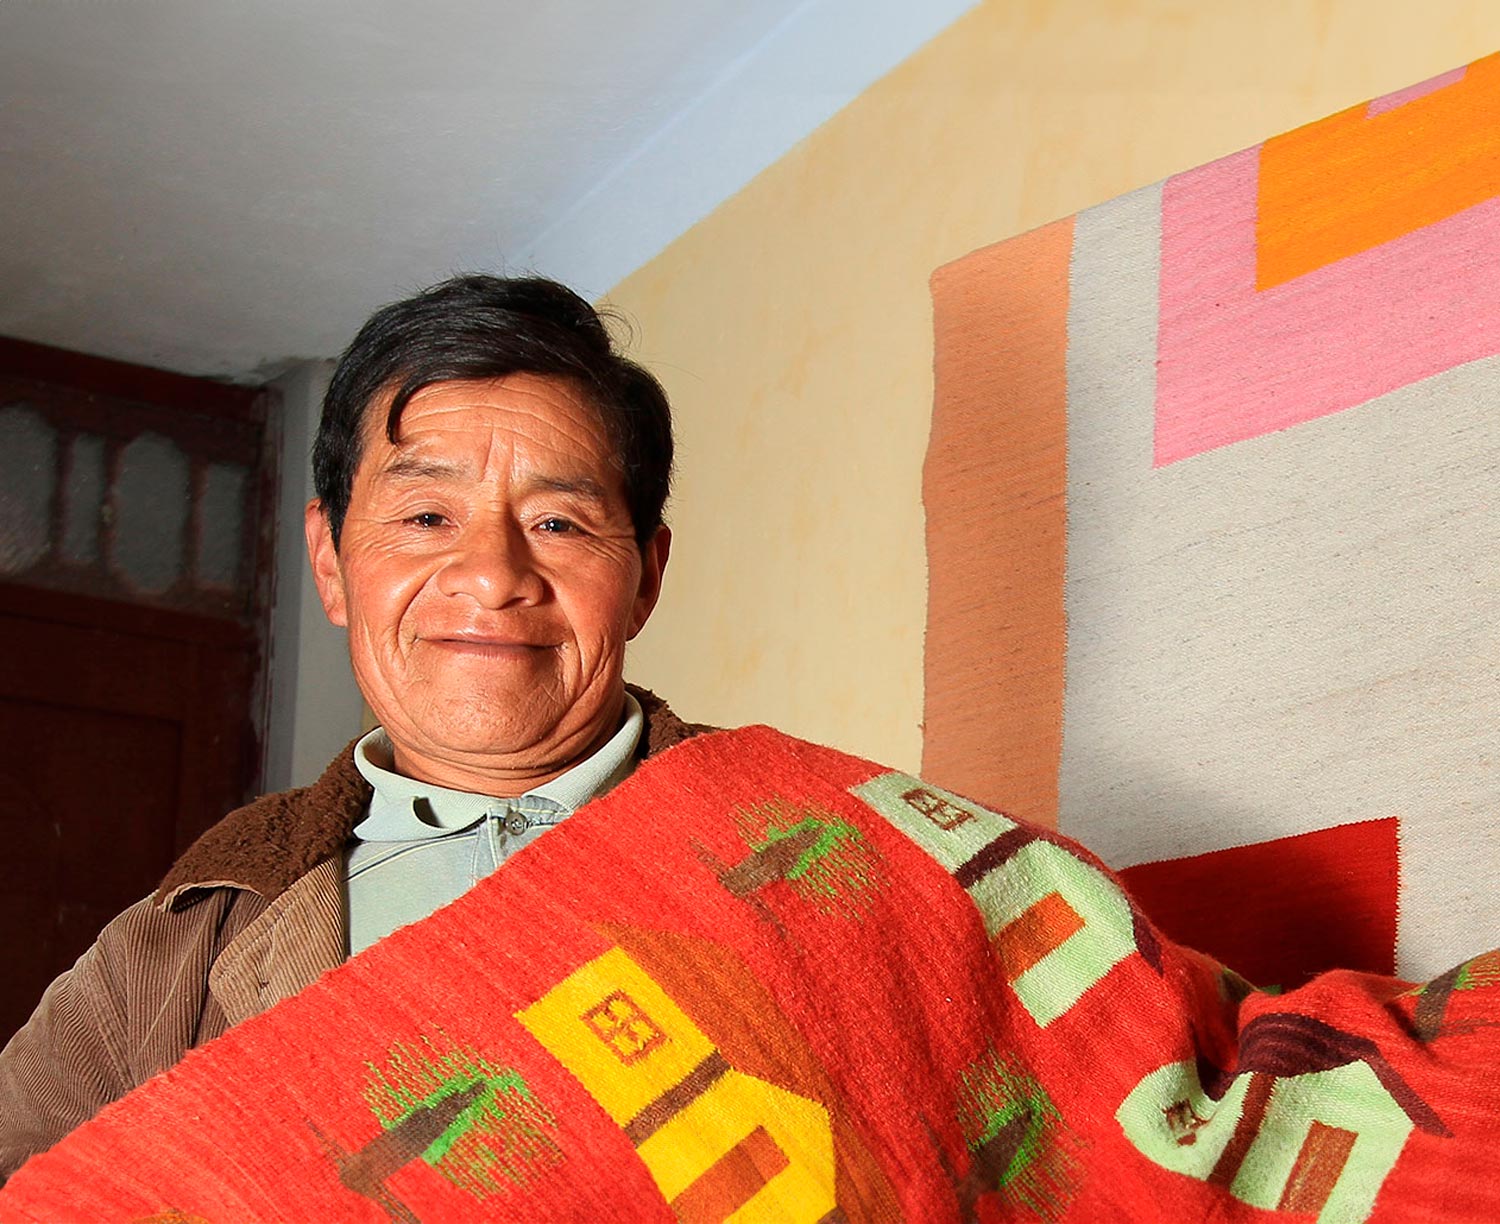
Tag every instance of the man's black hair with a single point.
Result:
(481, 327)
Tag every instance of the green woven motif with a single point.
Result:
(490, 1130)
(1479, 973)
(1020, 1145)
(1431, 1020)
(825, 859)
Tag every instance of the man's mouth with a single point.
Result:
(483, 645)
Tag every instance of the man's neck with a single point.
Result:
(502, 777)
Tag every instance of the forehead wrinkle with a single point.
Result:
(415, 468)
(455, 434)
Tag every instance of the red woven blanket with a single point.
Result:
(765, 981)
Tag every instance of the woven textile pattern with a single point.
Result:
(832, 993)
(1211, 536)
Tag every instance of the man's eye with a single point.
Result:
(556, 525)
(429, 518)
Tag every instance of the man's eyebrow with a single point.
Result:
(419, 467)
(580, 486)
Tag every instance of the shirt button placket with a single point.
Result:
(492, 835)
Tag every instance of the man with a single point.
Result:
(817, 985)
(491, 475)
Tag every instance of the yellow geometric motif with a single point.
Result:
(662, 1081)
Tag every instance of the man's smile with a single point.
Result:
(498, 646)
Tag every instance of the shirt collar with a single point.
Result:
(403, 809)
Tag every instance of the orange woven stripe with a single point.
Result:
(1041, 929)
(1319, 1165)
(995, 486)
(1349, 183)
(732, 1179)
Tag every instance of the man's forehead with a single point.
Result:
(485, 405)
(448, 431)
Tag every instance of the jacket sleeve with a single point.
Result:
(132, 1005)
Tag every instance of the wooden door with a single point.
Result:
(135, 545)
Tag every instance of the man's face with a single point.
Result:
(489, 577)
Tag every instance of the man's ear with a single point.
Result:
(325, 562)
(653, 565)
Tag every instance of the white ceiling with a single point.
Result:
(225, 186)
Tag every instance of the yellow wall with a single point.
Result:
(792, 326)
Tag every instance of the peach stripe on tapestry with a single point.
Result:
(994, 487)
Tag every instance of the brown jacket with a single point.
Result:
(251, 913)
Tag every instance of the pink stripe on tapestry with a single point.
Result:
(1234, 364)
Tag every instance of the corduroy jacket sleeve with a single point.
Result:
(140, 998)
(131, 1006)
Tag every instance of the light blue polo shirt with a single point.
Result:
(420, 846)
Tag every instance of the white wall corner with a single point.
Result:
(314, 707)
(815, 62)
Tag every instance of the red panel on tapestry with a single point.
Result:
(1280, 911)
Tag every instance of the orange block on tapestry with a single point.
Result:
(1356, 180)
(1039, 930)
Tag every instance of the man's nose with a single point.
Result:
(492, 563)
